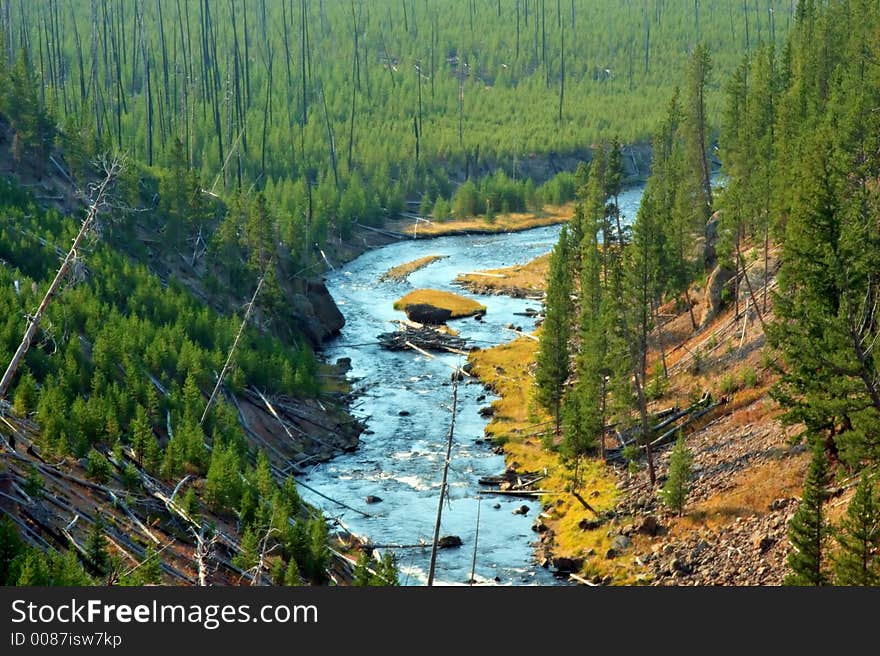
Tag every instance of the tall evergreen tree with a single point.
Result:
(552, 359)
(857, 561)
(808, 530)
(696, 137)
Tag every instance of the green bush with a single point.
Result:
(658, 383)
(727, 385)
(749, 378)
(98, 468)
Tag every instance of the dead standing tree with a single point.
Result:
(96, 203)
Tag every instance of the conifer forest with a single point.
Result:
(361, 293)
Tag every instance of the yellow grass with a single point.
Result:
(460, 306)
(522, 429)
(752, 491)
(401, 271)
(528, 277)
(511, 222)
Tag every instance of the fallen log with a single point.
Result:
(584, 503)
(582, 580)
(671, 432)
(518, 493)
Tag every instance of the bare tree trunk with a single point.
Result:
(562, 77)
(751, 292)
(111, 170)
(443, 485)
(516, 56)
(228, 363)
(330, 140)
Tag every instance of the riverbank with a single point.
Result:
(746, 478)
(479, 225)
(520, 281)
(570, 537)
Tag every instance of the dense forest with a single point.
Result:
(343, 111)
(257, 132)
(801, 158)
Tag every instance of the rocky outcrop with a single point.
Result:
(315, 312)
(714, 286)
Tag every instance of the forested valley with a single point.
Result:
(209, 161)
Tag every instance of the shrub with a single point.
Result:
(749, 378)
(728, 384)
(676, 487)
(98, 469)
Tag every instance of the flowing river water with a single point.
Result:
(405, 402)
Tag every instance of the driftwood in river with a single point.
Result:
(424, 337)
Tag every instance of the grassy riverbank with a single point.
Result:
(508, 222)
(523, 430)
(401, 271)
(519, 280)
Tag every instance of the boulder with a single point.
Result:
(567, 565)
(449, 542)
(779, 504)
(648, 525)
(371, 498)
(762, 542)
(589, 524)
(427, 314)
(611, 554)
(621, 542)
(522, 510)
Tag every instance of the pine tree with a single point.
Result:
(553, 367)
(32, 569)
(386, 571)
(441, 209)
(857, 561)
(583, 413)
(96, 548)
(362, 576)
(25, 399)
(33, 132)
(150, 571)
(291, 574)
(10, 547)
(223, 489)
(425, 206)
(808, 529)
(823, 311)
(698, 185)
(66, 570)
(319, 554)
(677, 485)
(249, 554)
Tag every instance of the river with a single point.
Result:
(404, 400)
